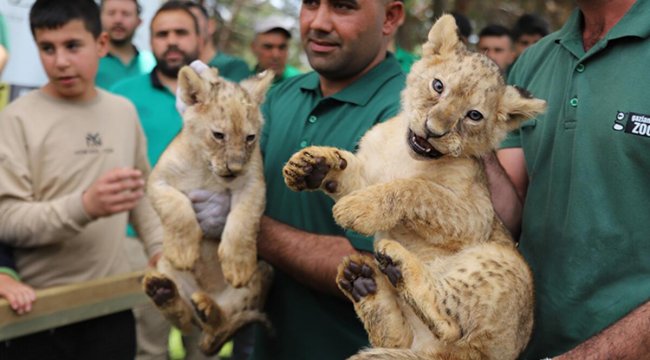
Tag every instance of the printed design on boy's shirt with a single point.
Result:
(94, 145)
(632, 123)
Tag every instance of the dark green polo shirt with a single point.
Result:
(310, 324)
(111, 70)
(156, 107)
(230, 67)
(586, 230)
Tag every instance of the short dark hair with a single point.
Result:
(495, 30)
(174, 5)
(530, 24)
(464, 26)
(54, 14)
(138, 8)
(202, 9)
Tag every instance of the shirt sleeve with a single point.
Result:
(25, 221)
(143, 217)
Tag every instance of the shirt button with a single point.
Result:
(574, 102)
(312, 119)
(580, 68)
(303, 143)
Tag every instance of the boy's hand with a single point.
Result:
(116, 191)
(19, 295)
(211, 211)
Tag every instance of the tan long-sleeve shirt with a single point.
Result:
(50, 152)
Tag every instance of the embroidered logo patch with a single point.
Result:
(632, 123)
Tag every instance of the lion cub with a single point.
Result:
(218, 285)
(447, 281)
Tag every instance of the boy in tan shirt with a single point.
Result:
(72, 168)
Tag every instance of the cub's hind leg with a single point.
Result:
(375, 302)
(336, 172)
(414, 284)
(163, 292)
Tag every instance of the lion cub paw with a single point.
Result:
(206, 309)
(160, 289)
(361, 212)
(356, 277)
(313, 167)
(238, 265)
(387, 264)
(182, 259)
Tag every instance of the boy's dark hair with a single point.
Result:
(54, 14)
(530, 24)
(138, 8)
(173, 5)
(496, 31)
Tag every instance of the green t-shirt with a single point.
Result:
(585, 222)
(405, 59)
(310, 324)
(230, 67)
(156, 107)
(111, 70)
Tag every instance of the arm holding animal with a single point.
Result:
(507, 199)
(311, 259)
(626, 339)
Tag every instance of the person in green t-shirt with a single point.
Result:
(230, 67)
(271, 48)
(582, 170)
(356, 84)
(120, 19)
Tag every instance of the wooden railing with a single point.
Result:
(62, 305)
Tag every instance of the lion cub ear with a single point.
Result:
(257, 85)
(518, 105)
(193, 88)
(443, 37)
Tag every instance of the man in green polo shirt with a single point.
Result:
(120, 19)
(356, 84)
(230, 67)
(583, 168)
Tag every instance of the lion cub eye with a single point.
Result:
(474, 115)
(437, 86)
(218, 135)
(250, 138)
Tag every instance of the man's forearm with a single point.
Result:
(311, 259)
(627, 339)
(505, 200)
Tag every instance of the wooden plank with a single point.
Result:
(62, 305)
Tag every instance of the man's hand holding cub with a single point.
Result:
(116, 191)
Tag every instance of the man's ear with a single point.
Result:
(257, 85)
(518, 105)
(443, 37)
(193, 89)
(394, 17)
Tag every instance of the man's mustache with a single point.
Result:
(173, 48)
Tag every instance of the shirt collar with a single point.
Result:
(137, 52)
(363, 89)
(633, 24)
(155, 80)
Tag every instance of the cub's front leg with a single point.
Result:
(334, 171)
(238, 246)
(181, 232)
(375, 302)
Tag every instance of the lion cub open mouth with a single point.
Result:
(421, 146)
